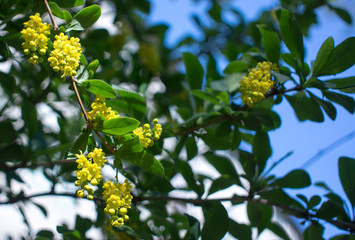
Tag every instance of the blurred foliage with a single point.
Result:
(200, 109)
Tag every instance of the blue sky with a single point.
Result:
(304, 138)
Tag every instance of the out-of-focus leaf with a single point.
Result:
(236, 66)
(81, 143)
(295, 179)
(223, 165)
(305, 108)
(261, 149)
(88, 16)
(193, 232)
(29, 115)
(239, 231)
(41, 208)
(278, 230)
(194, 70)
(82, 225)
(347, 177)
(327, 106)
(341, 58)
(229, 83)
(291, 34)
(213, 229)
(346, 85)
(342, 13)
(191, 148)
(99, 87)
(347, 102)
(220, 184)
(314, 231)
(259, 215)
(68, 3)
(271, 43)
(323, 55)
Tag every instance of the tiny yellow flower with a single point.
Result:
(65, 56)
(147, 135)
(254, 86)
(89, 171)
(35, 35)
(118, 199)
(99, 108)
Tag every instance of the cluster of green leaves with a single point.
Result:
(200, 107)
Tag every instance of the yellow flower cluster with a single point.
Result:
(147, 135)
(99, 109)
(118, 200)
(65, 56)
(35, 35)
(254, 86)
(89, 171)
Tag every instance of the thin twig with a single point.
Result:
(55, 27)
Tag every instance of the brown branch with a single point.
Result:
(350, 226)
(55, 27)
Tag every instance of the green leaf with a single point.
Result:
(291, 34)
(56, 10)
(120, 126)
(327, 106)
(69, 3)
(93, 65)
(347, 102)
(239, 231)
(142, 159)
(278, 230)
(223, 165)
(191, 148)
(236, 66)
(229, 83)
(29, 115)
(82, 225)
(67, 16)
(88, 16)
(99, 87)
(220, 184)
(186, 171)
(216, 224)
(194, 70)
(314, 231)
(346, 85)
(295, 179)
(205, 96)
(45, 234)
(261, 149)
(347, 177)
(323, 55)
(81, 143)
(343, 14)
(131, 102)
(341, 58)
(305, 108)
(271, 43)
(41, 208)
(259, 215)
(73, 25)
(193, 232)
